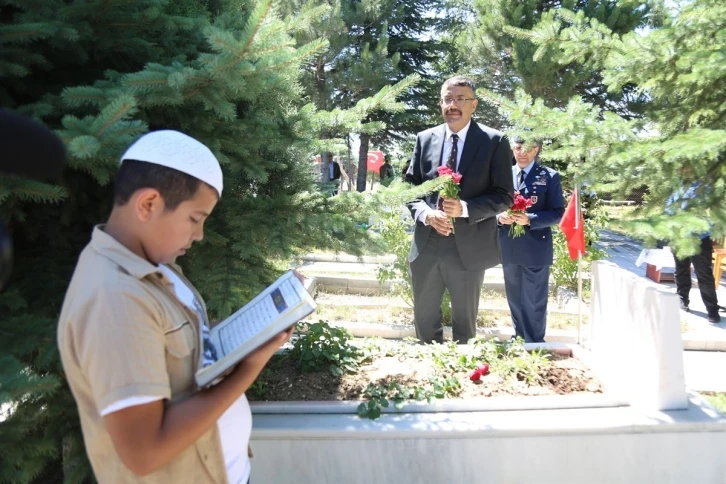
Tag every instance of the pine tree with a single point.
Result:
(373, 44)
(102, 73)
(681, 137)
(503, 62)
(392, 39)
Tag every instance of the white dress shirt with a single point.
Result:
(516, 171)
(448, 145)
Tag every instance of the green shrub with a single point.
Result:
(324, 347)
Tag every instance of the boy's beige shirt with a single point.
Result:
(123, 333)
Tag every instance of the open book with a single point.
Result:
(274, 310)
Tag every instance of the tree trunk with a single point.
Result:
(363, 162)
(326, 159)
(349, 163)
(320, 79)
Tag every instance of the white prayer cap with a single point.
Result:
(180, 152)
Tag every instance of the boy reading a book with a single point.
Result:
(133, 331)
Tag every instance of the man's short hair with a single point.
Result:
(522, 141)
(174, 186)
(459, 81)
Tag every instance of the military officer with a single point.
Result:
(526, 259)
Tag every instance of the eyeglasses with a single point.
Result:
(458, 101)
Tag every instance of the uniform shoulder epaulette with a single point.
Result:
(546, 170)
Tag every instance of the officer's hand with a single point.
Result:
(440, 222)
(452, 207)
(505, 219)
(520, 218)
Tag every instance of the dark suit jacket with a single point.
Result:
(336, 170)
(534, 247)
(486, 186)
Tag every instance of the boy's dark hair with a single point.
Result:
(174, 186)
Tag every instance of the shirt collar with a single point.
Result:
(461, 134)
(113, 250)
(526, 169)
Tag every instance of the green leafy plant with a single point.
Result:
(445, 386)
(509, 359)
(393, 230)
(376, 395)
(324, 347)
(259, 388)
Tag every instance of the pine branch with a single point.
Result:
(120, 108)
(31, 190)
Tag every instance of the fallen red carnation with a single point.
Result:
(481, 370)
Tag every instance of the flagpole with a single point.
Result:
(579, 268)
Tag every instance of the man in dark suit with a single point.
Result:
(526, 259)
(455, 257)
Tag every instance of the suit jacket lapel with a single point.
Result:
(471, 145)
(437, 146)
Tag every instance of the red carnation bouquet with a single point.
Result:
(520, 205)
(451, 188)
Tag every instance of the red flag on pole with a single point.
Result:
(572, 225)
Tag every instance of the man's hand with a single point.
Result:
(452, 207)
(440, 222)
(521, 218)
(505, 219)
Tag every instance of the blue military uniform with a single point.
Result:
(526, 259)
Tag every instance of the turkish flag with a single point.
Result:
(375, 161)
(573, 228)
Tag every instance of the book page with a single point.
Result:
(255, 317)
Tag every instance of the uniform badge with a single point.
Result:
(533, 198)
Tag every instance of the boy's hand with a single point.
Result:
(299, 276)
(259, 358)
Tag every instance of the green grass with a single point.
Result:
(619, 212)
(485, 319)
(718, 400)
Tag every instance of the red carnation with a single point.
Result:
(451, 188)
(481, 370)
(520, 205)
(444, 170)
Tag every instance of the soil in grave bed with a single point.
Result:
(439, 369)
